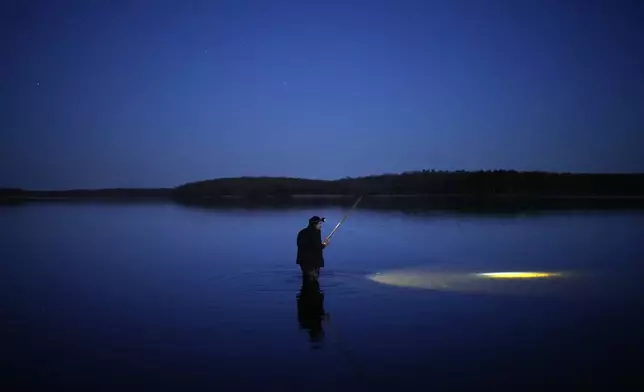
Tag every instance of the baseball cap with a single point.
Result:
(316, 219)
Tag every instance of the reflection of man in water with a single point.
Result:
(310, 308)
(309, 248)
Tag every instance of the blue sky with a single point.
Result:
(159, 93)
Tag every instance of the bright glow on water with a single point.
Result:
(518, 275)
(491, 282)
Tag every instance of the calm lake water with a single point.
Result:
(112, 297)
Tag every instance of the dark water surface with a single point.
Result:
(113, 297)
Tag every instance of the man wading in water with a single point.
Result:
(309, 248)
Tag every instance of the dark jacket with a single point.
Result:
(309, 248)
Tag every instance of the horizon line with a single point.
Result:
(333, 180)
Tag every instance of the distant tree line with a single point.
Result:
(479, 187)
(479, 184)
(14, 193)
(11, 195)
(5, 192)
(106, 193)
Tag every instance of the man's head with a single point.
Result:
(316, 221)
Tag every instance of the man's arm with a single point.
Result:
(323, 244)
(307, 242)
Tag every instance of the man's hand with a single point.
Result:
(326, 242)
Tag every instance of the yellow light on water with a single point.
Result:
(518, 275)
(515, 282)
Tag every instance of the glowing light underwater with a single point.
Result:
(518, 275)
(500, 282)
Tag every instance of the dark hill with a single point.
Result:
(478, 184)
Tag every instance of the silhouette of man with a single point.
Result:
(309, 248)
